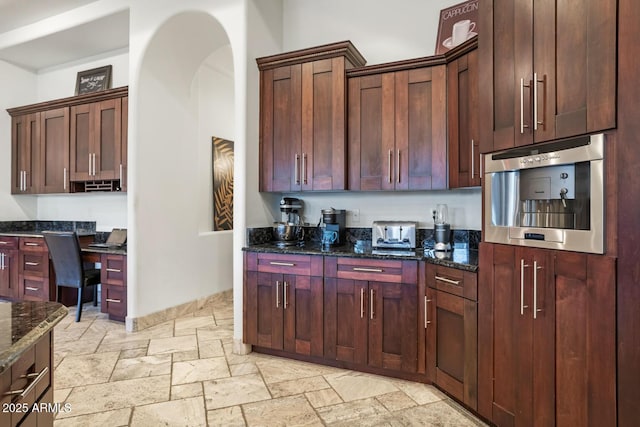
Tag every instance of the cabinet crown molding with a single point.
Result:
(69, 101)
(332, 50)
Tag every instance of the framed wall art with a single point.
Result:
(222, 184)
(457, 24)
(93, 80)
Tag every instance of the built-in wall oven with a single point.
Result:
(547, 195)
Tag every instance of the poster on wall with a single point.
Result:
(222, 184)
(457, 24)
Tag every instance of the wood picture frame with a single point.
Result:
(457, 24)
(93, 80)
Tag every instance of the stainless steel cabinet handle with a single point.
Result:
(64, 178)
(94, 164)
(277, 293)
(296, 168)
(1, 261)
(361, 303)
(535, 289)
(31, 288)
(2, 242)
(113, 300)
(31, 244)
(114, 270)
(32, 264)
(90, 165)
(370, 270)
(522, 86)
(481, 161)
(372, 302)
(285, 290)
(389, 166)
(398, 167)
(473, 158)
(522, 267)
(25, 391)
(444, 279)
(120, 174)
(304, 168)
(286, 264)
(426, 316)
(536, 122)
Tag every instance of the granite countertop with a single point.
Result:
(460, 258)
(39, 233)
(22, 324)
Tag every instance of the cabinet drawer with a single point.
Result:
(34, 264)
(454, 281)
(379, 270)
(34, 288)
(7, 242)
(33, 244)
(114, 301)
(113, 270)
(302, 265)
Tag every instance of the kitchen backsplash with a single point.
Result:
(39, 226)
(471, 238)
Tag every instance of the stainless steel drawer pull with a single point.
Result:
(32, 244)
(285, 264)
(113, 300)
(361, 303)
(284, 295)
(426, 319)
(114, 270)
(30, 288)
(473, 158)
(389, 166)
(277, 294)
(2, 242)
(522, 267)
(296, 168)
(24, 391)
(369, 270)
(444, 279)
(535, 289)
(33, 264)
(372, 302)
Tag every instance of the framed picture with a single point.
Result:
(457, 24)
(222, 184)
(93, 80)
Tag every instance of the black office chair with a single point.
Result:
(64, 251)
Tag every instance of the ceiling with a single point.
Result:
(97, 37)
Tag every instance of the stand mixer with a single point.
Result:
(289, 231)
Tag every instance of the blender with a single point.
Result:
(441, 228)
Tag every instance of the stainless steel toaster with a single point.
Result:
(394, 234)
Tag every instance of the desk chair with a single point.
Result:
(64, 251)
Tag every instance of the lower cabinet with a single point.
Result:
(451, 332)
(371, 312)
(113, 282)
(33, 270)
(283, 302)
(9, 268)
(547, 350)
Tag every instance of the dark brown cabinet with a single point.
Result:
(283, 302)
(113, 282)
(546, 337)
(462, 120)
(302, 118)
(96, 142)
(54, 151)
(370, 313)
(397, 127)
(25, 153)
(548, 70)
(450, 310)
(9, 268)
(33, 270)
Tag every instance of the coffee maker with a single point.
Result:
(441, 228)
(334, 232)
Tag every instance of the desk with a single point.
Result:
(113, 279)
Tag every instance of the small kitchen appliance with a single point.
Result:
(441, 228)
(394, 237)
(289, 231)
(334, 231)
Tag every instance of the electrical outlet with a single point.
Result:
(355, 215)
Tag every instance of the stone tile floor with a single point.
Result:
(183, 373)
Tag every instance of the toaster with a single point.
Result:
(394, 235)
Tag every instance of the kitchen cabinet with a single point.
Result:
(25, 153)
(96, 142)
(9, 268)
(33, 270)
(370, 313)
(302, 118)
(123, 174)
(397, 126)
(283, 302)
(462, 120)
(546, 337)
(113, 283)
(54, 151)
(549, 72)
(450, 310)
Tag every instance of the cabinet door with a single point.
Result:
(280, 128)
(345, 320)
(463, 137)
(419, 161)
(371, 132)
(81, 148)
(393, 324)
(107, 143)
(54, 151)
(265, 317)
(9, 274)
(302, 305)
(323, 162)
(25, 141)
(124, 171)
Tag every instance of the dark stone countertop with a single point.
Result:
(459, 258)
(22, 324)
(39, 233)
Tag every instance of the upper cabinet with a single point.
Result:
(303, 118)
(397, 126)
(548, 70)
(74, 144)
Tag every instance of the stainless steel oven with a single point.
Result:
(547, 195)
